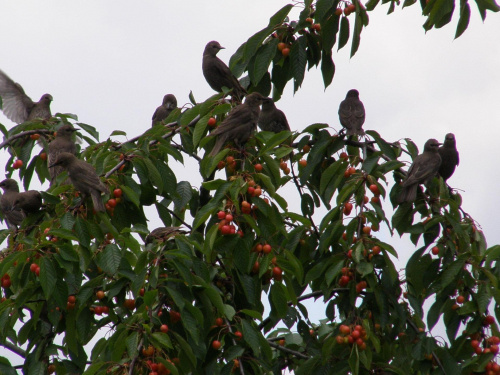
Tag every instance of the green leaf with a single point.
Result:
(48, 276)
(251, 336)
(82, 232)
(327, 68)
(162, 339)
(463, 21)
(344, 32)
(356, 37)
(278, 300)
(199, 129)
(298, 58)
(263, 59)
(109, 260)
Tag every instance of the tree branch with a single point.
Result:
(15, 349)
(23, 134)
(289, 351)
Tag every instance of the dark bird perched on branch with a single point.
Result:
(17, 106)
(84, 177)
(352, 113)
(239, 125)
(422, 171)
(29, 202)
(13, 216)
(217, 73)
(272, 119)
(449, 156)
(62, 143)
(162, 112)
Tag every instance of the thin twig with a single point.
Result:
(169, 134)
(23, 134)
(13, 348)
(178, 218)
(286, 350)
(132, 364)
(304, 297)
(132, 140)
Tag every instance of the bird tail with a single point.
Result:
(408, 194)
(217, 147)
(97, 201)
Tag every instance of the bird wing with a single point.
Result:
(16, 104)
(422, 169)
(351, 114)
(240, 116)
(91, 180)
(281, 118)
(160, 114)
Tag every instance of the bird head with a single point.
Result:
(254, 99)
(66, 131)
(432, 145)
(46, 98)
(9, 184)
(64, 159)
(212, 48)
(352, 94)
(170, 101)
(449, 140)
(267, 103)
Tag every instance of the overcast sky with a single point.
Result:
(110, 62)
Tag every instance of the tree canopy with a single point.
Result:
(187, 298)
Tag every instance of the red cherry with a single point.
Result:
(17, 164)
(211, 122)
(164, 328)
(216, 344)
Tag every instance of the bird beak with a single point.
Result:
(52, 165)
(222, 47)
(76, 129)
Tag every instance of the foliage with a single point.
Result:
(189, 301)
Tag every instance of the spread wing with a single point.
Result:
(16, 104)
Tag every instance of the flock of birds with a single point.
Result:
(237, 127)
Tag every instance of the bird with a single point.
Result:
(163, 234)
(449, 157)
(13, 216)
(240, 124)
(62, 143)
(272, 119)
(84, 178)
(29, 202)
(352, 113)
(17, 106)
(217, 73)
(423, 169)
(162, 112)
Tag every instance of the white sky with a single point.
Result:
(111, 62)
